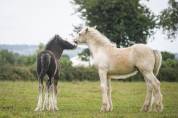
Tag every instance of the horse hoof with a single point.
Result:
(104, 109)
(158, 108)
(37, 109)
(110, 109)
(145, 108)
(52, 109)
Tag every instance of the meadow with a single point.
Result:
(83, 100)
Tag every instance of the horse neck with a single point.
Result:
(94, 45)
(93, 48)
(56, 51)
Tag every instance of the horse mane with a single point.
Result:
(51, 41)
(99, 37)
(54, 47)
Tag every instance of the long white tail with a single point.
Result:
(158, 61)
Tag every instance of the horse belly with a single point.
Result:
(123, 76)
(121, 66)
(117, 62)
(121, 70)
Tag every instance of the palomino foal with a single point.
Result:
(120, 63)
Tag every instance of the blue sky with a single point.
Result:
(35, 21)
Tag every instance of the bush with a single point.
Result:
(15, 73)
(168, 74)
(70, 73)
(24, 68)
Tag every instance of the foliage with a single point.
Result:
(122, 21)
(11, 58)
(168, 71)
(17, 67)
(169, 19)
(40, 48)
(85, 55)
(7, 57)
(70, 73)
(166, 55)
(8, 72)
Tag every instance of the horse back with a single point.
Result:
(125, 60)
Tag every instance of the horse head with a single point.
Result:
(82, 36)
(65, 44)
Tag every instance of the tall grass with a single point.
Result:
(82, 100)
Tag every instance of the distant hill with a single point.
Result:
(30, 49)
(20, 49)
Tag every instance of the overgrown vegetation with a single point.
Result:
(17, 67)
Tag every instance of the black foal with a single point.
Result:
(47, 64)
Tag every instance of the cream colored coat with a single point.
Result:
(120, 63)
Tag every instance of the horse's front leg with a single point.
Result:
(104, 88)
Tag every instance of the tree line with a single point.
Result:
(17, 67)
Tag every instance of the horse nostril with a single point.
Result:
(75, 41)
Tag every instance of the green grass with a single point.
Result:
(83, 100)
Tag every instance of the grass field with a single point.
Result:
(82, 100)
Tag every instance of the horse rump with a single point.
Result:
(43, 64)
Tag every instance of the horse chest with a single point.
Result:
(100, 60)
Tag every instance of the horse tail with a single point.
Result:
(45, 59)
(158, 61)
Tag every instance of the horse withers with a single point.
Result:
(47, 64)
(121, 63)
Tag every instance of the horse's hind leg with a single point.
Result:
(55, 90)
(155, 86)
(157, 101)
(46, 99)
(147, 102)
(51, 95)
(40, 99)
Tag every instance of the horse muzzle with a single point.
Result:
(75, 41)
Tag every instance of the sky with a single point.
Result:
(35, 21)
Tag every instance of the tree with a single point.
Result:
(169, 19)
(122, 21)
(85, 55)
(40, 48)
(167, 55)
(7, 57)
